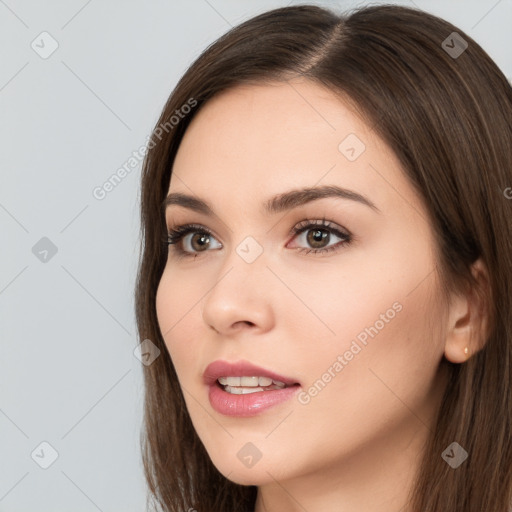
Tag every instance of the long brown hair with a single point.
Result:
(446, 112)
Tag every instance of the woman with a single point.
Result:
(344, 343)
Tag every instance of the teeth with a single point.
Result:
(239, 390)
(242, 391)
(250, 382)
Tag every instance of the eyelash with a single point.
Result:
(175, 236)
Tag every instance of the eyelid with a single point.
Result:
(323, 223)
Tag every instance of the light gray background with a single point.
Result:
(68, 374)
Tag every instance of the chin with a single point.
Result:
(259, 474)
(248, 477)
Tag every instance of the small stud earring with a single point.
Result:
(466, 350)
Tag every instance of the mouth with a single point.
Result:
(243, 389)
(246, 385)
(243, 374)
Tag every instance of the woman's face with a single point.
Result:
(358, 326)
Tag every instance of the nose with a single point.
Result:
(240, 297)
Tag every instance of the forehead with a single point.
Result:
(260, 140)
(279, 117)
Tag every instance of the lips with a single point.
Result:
(246, 401)
(241, 369)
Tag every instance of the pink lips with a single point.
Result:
(246, 404)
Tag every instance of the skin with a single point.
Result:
(355, 445)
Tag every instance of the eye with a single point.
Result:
(320, 232)
(179, 236)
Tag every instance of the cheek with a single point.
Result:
(374, 336)
(381, 385)
(174, 309)
(176, 298)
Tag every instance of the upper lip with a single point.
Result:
(221, 368)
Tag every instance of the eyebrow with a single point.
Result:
(277, 204)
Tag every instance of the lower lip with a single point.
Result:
(249, 404)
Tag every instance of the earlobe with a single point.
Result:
(467, 328)
(458, 336)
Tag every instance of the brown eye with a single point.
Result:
(199, 241)
(183, 245)
(318, 235)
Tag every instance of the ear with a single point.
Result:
(468, 319)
